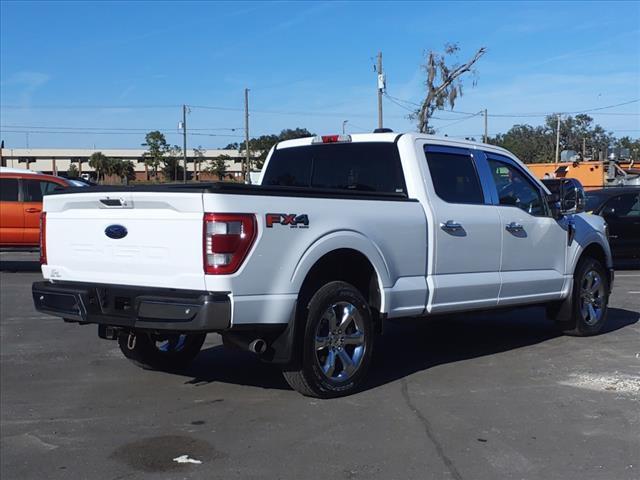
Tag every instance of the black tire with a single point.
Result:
(581, 321)
(170, 352)
(354, 344)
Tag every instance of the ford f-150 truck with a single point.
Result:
(341, 233)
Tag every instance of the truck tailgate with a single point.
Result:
(161, 246)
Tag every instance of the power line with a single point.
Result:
(76, 132)
(530, 114)
(403, 101)
(83, 107)
(459, 121)
(392, 100)
(333, 114)
(46, 127)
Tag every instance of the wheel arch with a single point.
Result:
(597, 251)
(347, 256)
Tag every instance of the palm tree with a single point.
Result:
(100, 163)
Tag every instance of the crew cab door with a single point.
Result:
(464, 232)
(32, 192)
(534, 244)
(11, 216)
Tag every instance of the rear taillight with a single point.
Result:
(43, 238)
(227, 240)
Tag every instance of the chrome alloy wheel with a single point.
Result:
(592, 298)
(340, 342)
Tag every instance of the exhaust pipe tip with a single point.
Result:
(258, 346)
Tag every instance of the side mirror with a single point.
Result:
(553, 201)
(572, 199)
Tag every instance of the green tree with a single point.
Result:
(537, 144)
(259, 147)
(116, 168)
(530, 144)
(101, 164)
(123, 169)
(157, 147)
(443, 82)
(218, 166)
(578, 132)
(171, 169)
(73, 172)
(632, 145)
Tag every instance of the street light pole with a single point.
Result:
(184, 142)
(247, 168)
(558, 140)
(381, 83)
(486, 128)
(344, 124)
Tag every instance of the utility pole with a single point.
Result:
(184, 142)
(584, 148)
(558, 140)
(246, 168)
(381, 83)
(486, 127)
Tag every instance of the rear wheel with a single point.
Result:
(590, 299)
(160, 351)
(337, 345)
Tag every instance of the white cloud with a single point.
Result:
(22, 85)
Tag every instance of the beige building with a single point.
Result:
(57, 160)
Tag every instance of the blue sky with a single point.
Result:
(308, 64)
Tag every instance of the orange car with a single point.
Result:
(21, 203)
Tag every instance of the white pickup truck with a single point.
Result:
(342, 233)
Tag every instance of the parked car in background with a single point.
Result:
(76, 182)
(21, 193)
(620, 207)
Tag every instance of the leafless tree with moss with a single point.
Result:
(443, 83)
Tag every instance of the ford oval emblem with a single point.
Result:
(115, 231)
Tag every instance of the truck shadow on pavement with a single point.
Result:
(408, 347)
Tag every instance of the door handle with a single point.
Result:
(514, 227)
(33, 210)
(451, 226)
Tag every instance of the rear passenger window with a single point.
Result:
(288, 169)
(369, 167)
(359, 166)
(34, 190)
(8, 189)
(623, 206)
(454, 177)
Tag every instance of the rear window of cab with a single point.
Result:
(360, 166)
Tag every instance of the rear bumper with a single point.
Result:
(134, 307)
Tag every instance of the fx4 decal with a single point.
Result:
(291, 219)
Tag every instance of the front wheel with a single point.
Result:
(338, 343)
(590, 299)
(160, 351)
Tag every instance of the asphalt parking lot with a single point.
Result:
(498, 396)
